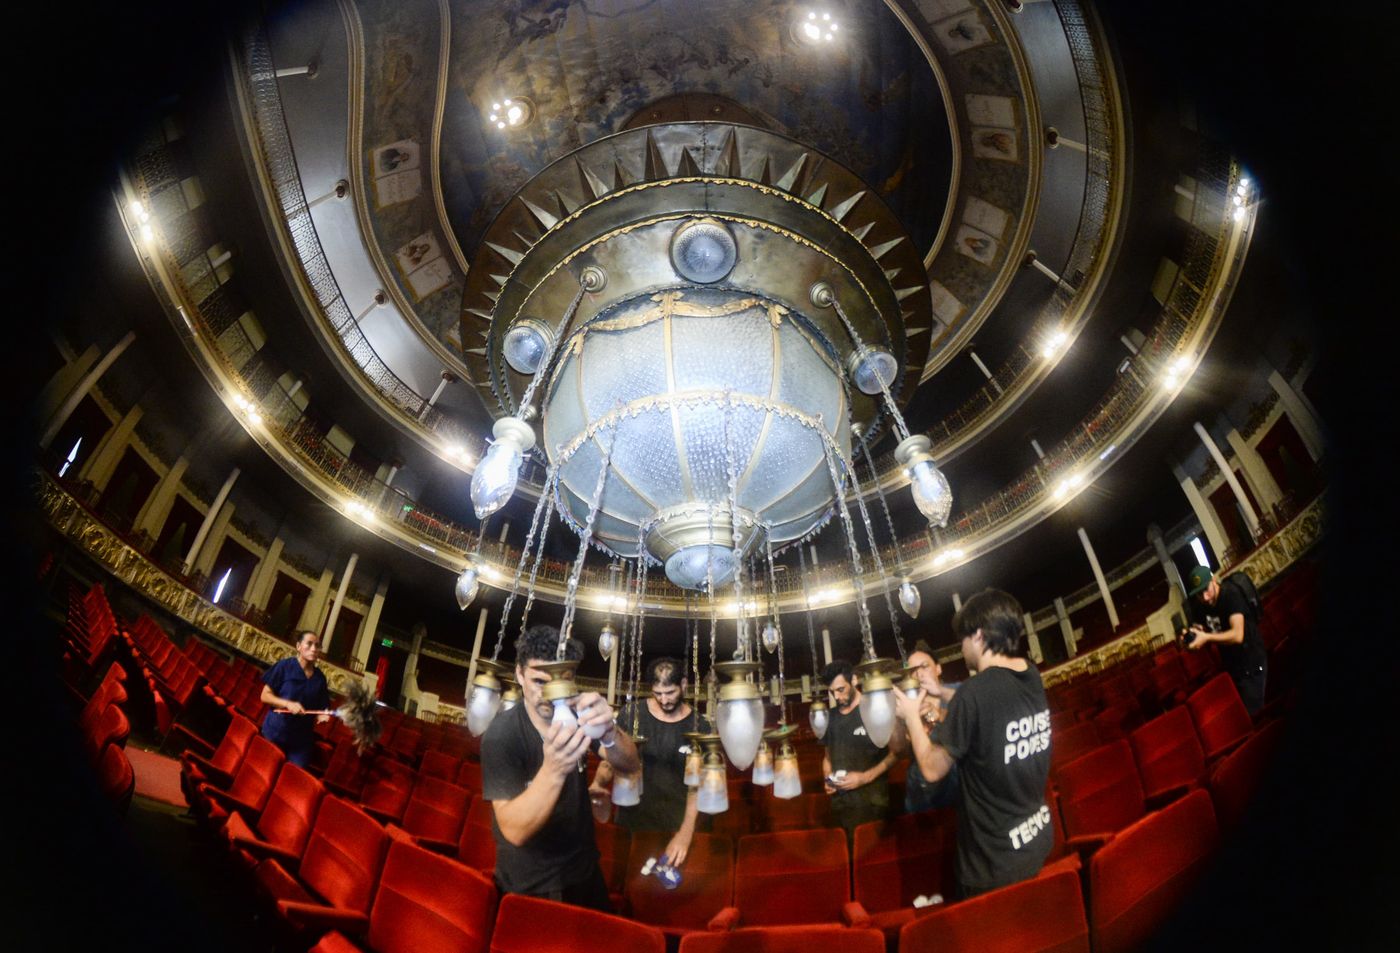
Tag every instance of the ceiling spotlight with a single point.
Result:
(1054, 343)
(814, 29)
(1239, 214)
(512, 112)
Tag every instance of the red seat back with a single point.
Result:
(257, 773)
(1100, 792)
(437, 809)
(530, 925)
(477, 846)
(908, 856)
(792, 877)
(614, 845)
(343, 856)
(115, 777)
(290, 812)
(1042, 915)
(786, 939)
(1235, 777)
(706, 888)
(110, 692)
(427, 903)
(347, 770)
(1167, 752)
(1139, 877)
(469, 776)
(110, 727)
(439, 764)
(1169, 677)
(388, 786)
(1220, 716)
(234, 745)
(1072, 742)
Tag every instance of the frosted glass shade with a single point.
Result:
(595, 731)
(468, 584)
(910, 599)
(482, 708)
(563, 714)
(713, 797)
(627, 789)
(787, 783)
(877, 714)
(741, 729)
(770, 637)
(494, 480)
(932, 494)
(817, 716)
(693, 764)
(763, 765)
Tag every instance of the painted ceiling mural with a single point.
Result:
(871, 101)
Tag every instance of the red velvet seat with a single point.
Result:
(439, 764)
(786, 939)
(249, 790)
(1235, 778)
(425, 903)
(530, 925)
(895, 861)
(1100, 793)
(388, 787)
(109, 727)
(792, 877)
(469, 776)
(477, 846)
(1042, 915)
(1168, 754)
(435, 814)
(408, 741)
(1117, 719)
(110, 692)
(804, 812)
(115, 777)
(706, 888)
(285, 824)
(1169, 678)
(1221, 719)
(614, 846)
(1072, 742)
(1140, 877)
(219, 767)
(347, 771)
(735, 822)
(338, 874)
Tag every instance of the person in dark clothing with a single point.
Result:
(533, 773)
(290, 688)
(662, 719)
(935, 696)
(1228, 619)
(854, 768)
(997, 732)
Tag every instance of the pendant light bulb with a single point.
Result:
(484, 703)
(818, 718)
(740, 716)
(713, 797)
(495, 478)
(770, 637)
(932, 494)
(763, 765)
(787, 782)
(910, 599)
(468, 584)
(607, 641)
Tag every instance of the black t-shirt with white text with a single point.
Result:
(662, 807)
(563, 852)
(998, 732)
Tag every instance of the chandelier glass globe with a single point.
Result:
(877, 711)
(763, 765)
(495, 478)
(910, 599)
(468, 584)
(818, 718)
(483, 703)
(787, 782)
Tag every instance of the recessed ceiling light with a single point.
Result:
(512, 112)
(815, 28)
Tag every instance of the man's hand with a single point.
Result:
(593, 709)
(851, 780)
(677, 850)
(1197, 638)
(562, 749)
(909, 709)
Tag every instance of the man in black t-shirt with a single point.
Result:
(663, 719)
(997, 732)
(1228, 619)
(533, 773)
(860, 791)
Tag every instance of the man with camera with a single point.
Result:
(534, 774)
(1228, 611)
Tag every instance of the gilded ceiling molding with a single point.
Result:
(435, 155)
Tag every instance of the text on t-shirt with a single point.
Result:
(1027, 736)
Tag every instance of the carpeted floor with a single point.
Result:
(157, 777)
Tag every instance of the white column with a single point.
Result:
(1251, 518)
(218, 531)
(260, 586)
(983, 368)
(64, 379)
(447, 378)
(75, 396)
(1256, 471)
(1032, 640)
(612, 675)
(476, 646)
(1066, 630)
(1300, 410)
(1159, 546)
(100, 466)
(365, 641)
(408, 687)
(826, 644)
(315, 603)
(339, 600)
(1099, 578)
(209, 520)
(1205, 514)
(151, 517)
(957, 602)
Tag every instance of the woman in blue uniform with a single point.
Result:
(290, 688)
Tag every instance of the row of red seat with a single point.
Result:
(103, 725)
